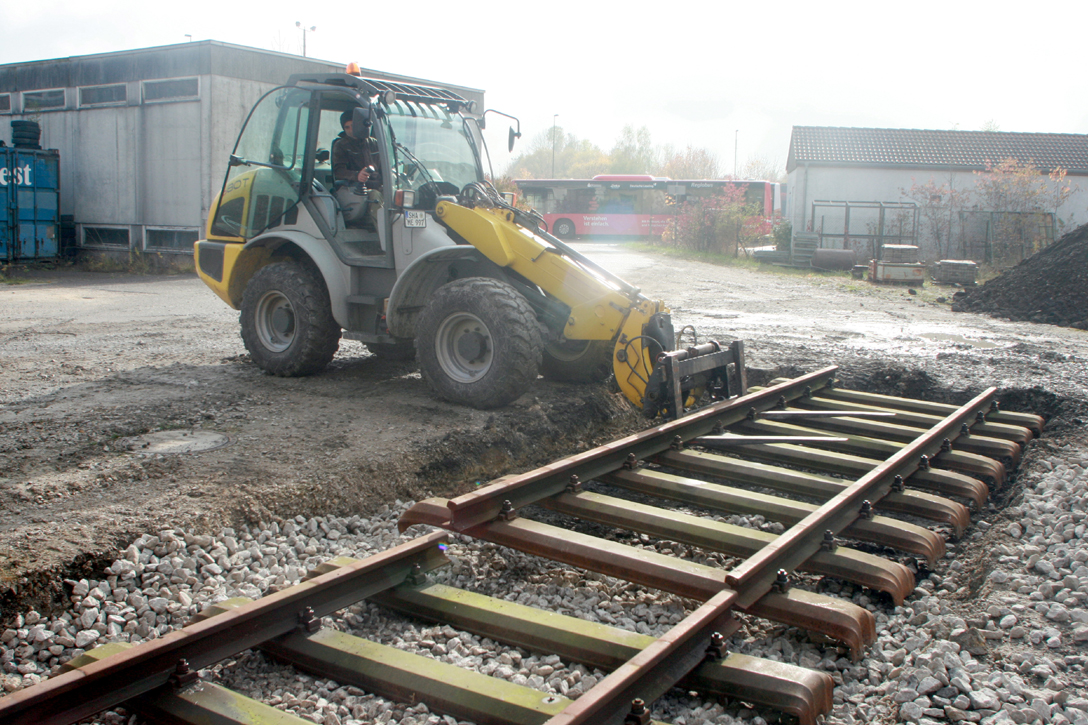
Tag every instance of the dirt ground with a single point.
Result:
(89, 359)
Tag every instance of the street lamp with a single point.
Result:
(736, 135)
(312, 28)
(554, 116)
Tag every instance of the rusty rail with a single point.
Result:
(885, 456)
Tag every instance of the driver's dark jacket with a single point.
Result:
(349, 155)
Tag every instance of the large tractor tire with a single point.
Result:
(287, 323)
(478, 343)
(577, 361)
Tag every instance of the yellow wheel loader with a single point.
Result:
(441, 266)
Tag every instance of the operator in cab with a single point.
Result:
(352, 168)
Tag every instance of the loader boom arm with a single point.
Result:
(602, 306)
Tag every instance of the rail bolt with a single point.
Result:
(781, 404)
(307, 622)
(946, 446)
(897, 484)
(677, 443)
(829, 543)
(965, 430)
(639, 715)
(631, 463)
(980, 417)
(923, 463)
(508, 511)
(866, 511)
(416, 576)
(575, 484)
(752, 413)
(781, 582)
(716, 649)
(183, 675)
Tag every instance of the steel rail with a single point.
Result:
(520, 490)
(757, 574)
(102, 684)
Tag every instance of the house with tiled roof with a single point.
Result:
(879, 164)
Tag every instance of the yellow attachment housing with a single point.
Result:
(597, 308)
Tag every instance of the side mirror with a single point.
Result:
(360, 122)
(513, 135)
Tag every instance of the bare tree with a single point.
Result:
(763, 168)
(692, 163)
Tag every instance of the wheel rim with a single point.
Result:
(464, 347)
(275, 321)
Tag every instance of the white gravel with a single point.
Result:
(995, 635)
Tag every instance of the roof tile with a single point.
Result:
(921, 148)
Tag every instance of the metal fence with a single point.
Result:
(864, 226)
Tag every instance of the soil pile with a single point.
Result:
(1050, 286)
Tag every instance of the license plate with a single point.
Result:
(415, 218)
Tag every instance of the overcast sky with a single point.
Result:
(700, 73)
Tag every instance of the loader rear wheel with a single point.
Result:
(287, 323)
(478, 343)
(577, 361)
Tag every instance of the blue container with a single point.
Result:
(29, 204)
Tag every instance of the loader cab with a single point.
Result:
(280, 176)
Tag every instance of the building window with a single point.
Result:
(175, 240)
(5, 103)
(43, 100)
(105, 237)
(103, 95)
(171, 90)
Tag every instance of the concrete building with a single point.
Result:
(144, 135)
(872, 168)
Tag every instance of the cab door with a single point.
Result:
(264, 180)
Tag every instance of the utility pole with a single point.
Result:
(312, 28)
(736, 135)
(554, 116)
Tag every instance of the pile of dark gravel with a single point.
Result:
(1049, 287)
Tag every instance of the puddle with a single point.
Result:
(176, 441)
(945, 337)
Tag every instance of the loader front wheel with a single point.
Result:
(478, 343)
(577, 361)
(287, 323)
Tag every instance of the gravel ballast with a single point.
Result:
(995, 635)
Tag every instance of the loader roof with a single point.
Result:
(373, 86)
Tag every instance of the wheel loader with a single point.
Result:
(443, 267)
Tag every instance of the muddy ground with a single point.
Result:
(89, 359)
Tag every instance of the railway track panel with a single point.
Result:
(833, 469)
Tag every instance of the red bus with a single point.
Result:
(629, 206)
